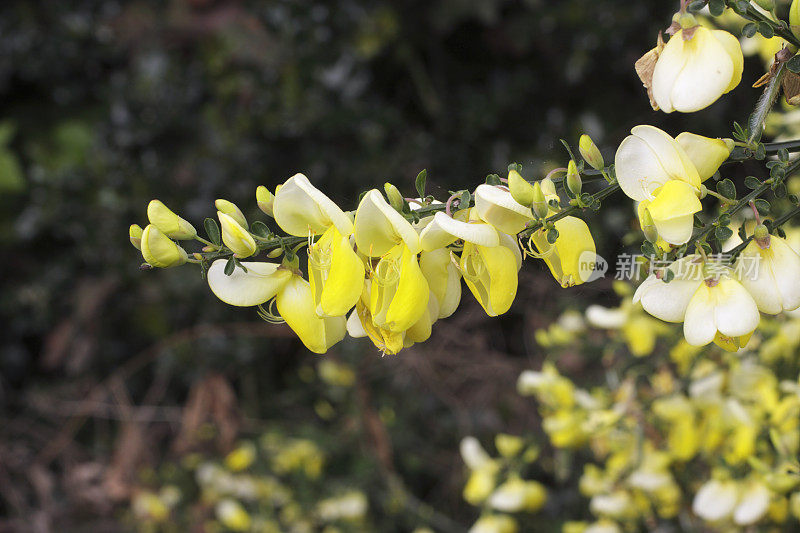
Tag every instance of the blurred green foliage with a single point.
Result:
(107, 104)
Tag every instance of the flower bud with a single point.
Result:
(687, 20)
(590, 153)
(135, 233)
(265, 199)
(548, 187)
(232, 210)
(648, 226)
(539, 203)
(233, 516)
(761, 236)
(236, 237)
(573, 179)
(520, 189)
(159, 251)
(394, 196)
(168, 222)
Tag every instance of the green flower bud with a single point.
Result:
(539, 203)
(520, 189)
(232, 210)
(159, 251)
(394, 196)
(573, 179)
(265, 199)
(761, 236)
(135, 233)
(687, 20)
(590, 153)
(168, 222)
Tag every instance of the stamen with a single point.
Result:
(270, 314)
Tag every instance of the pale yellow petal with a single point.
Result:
(261, 282)
(300, 208)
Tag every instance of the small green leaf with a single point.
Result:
(742, 232)
(260, 229)
(552, 235)
(230, 266)
(515, 166)
(723, 233)
(727, 189)
(762, 206)
(794, 64)
(648, 250)
(419, 183)
(716, 7)
(780, 190)
(741, 6)
(765, 29)
(669, 275)
(493, 179)
(465, 199)
(752, 182)
(783, 154)
(749, 30)
(761, 151)
(212, 229)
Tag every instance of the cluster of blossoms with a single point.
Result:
(704, 442)
(383, 271)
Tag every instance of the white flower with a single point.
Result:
(695, 68)
(771, 275)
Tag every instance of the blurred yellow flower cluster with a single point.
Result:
(710, 441)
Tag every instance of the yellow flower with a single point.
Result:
(648, 159)
(168, 222)
(232, 210)
(444, 279)
(379, 228)
(235, 237)
(398, 290)
(233, 515)
(491, 275)
(571, 259)
(265, 200)
(672, 210)
(159, 251)
(293, 298)
(518, 495)
(497, 207)
(695, 68)
(335, 271)
(135, 235)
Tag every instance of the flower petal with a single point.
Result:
(261, 282)
(497, 207)
(445, 230)
(295, 303)
(698, 327)
(735, 313)
(378, 227)
(705, 153)
(444, 279)
(300, 208)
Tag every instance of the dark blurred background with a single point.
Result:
(108, 375)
